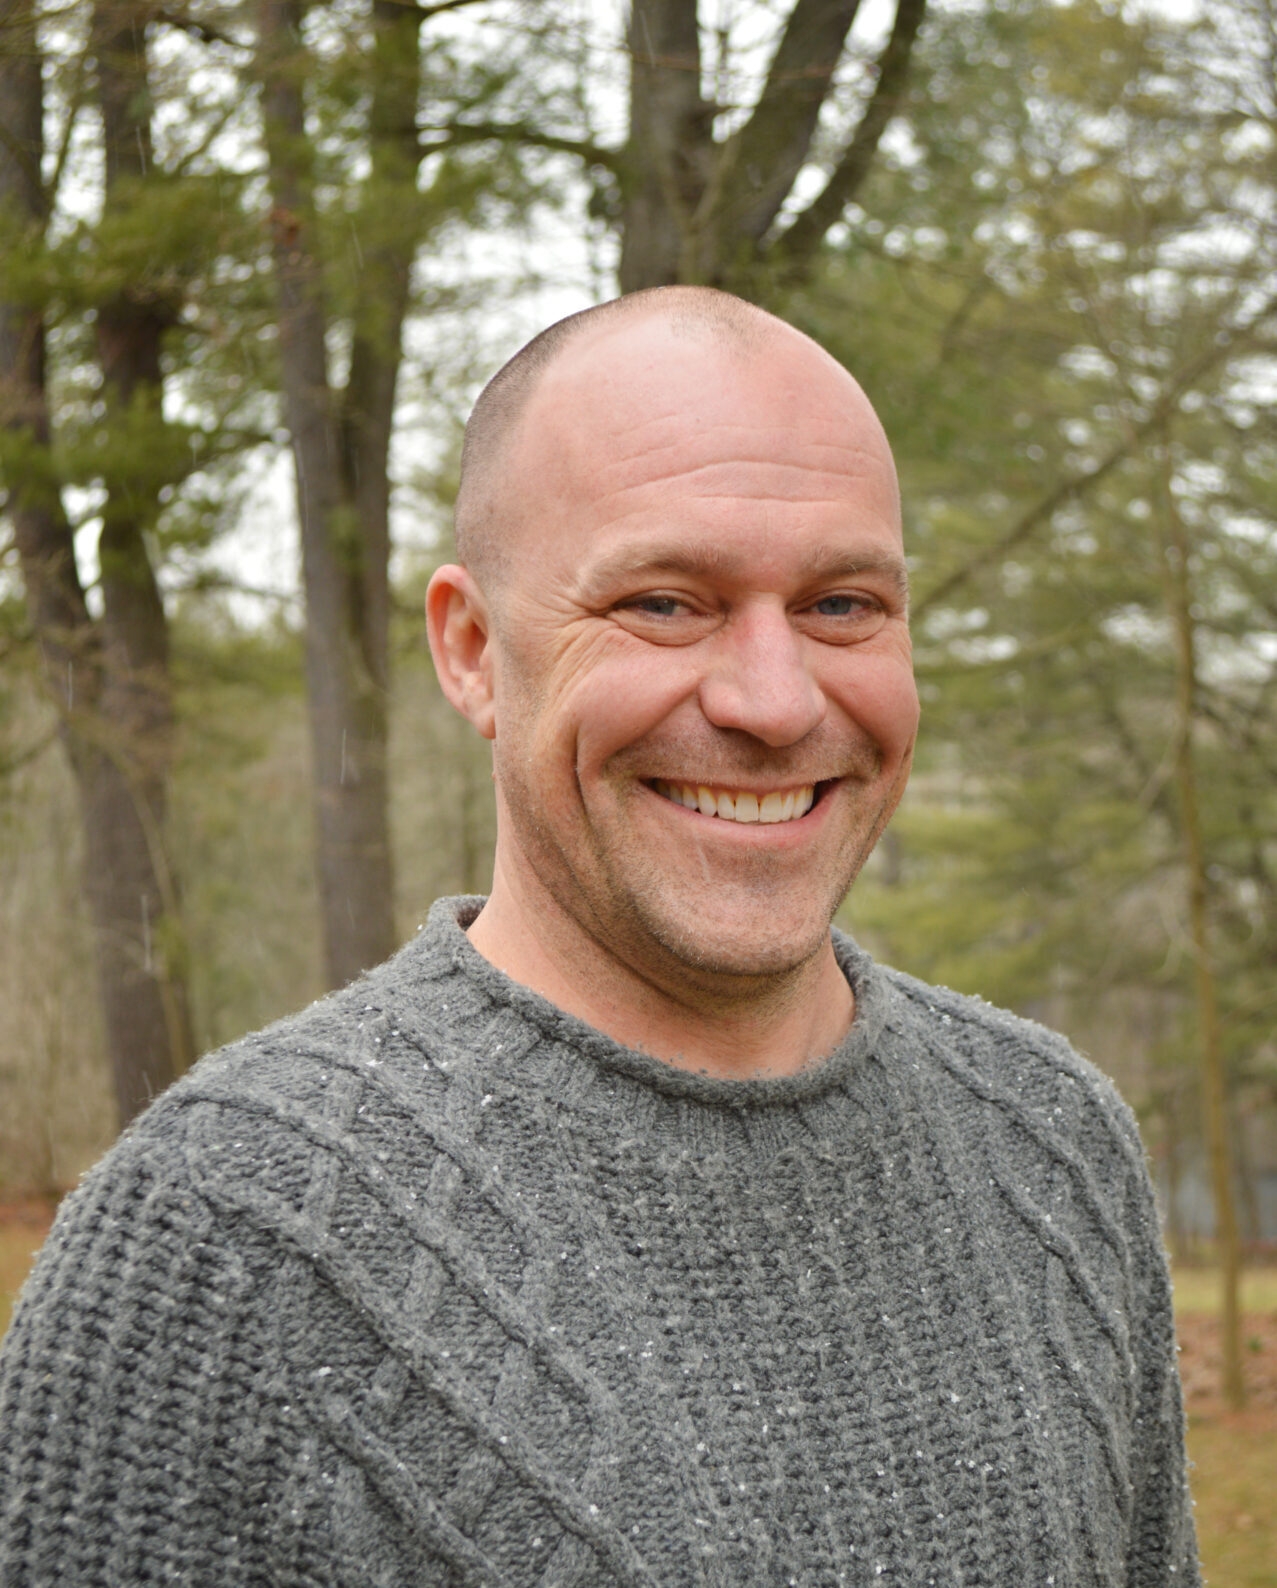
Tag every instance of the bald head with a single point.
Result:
(486, 493)
(684, 570)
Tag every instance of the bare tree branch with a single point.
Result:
(1080, 484)
(759, 163)
(795, 247)
(456, 134)
(205, 32)
(428, 11)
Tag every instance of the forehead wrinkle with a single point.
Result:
(758, 479)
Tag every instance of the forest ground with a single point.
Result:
(1234, 1453)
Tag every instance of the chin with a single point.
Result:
(747, 944)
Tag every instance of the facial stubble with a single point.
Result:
(615, 887)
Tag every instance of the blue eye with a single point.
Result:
(838, 606)
(658, 606)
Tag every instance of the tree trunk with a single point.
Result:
(695, 210)
(1247, 1195)
(388, 228)
(1174, 1213)
(109, 680)
(341, 446)
(670, 153)
(1214, 1080)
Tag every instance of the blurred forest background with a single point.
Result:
(255, 261)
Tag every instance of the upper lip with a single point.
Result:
(742, 786)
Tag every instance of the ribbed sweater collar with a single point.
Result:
(478, 993)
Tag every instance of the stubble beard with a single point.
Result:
(767, 929)
(652, 921)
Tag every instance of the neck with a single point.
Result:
(729, 1027)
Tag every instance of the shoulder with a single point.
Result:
(1003, 1072)
(260, 1114)
(1041, 1139)
(232, 1151)
(178, 1316)
(238, 1186)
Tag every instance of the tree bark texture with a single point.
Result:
(671, 148)
(341, 444)
(110, 678)
(696, 210)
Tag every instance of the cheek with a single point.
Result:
(626, 704)
(588, 714)
(880, 696)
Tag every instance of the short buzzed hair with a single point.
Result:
(690, 310)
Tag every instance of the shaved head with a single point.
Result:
(482, 510)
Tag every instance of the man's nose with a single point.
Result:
(759, 680)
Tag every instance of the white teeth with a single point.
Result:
(742, 806)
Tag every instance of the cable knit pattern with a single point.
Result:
(435, 1285)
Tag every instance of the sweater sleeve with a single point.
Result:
(141, 1435)
(1163, 1540)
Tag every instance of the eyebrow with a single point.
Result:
(723, 561)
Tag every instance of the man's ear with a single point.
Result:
(458, 623)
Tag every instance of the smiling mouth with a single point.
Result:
(739, 805)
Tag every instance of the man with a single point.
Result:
(628, 1227)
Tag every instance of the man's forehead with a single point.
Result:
(639, 410)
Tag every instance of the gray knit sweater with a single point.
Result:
(435, 1285)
